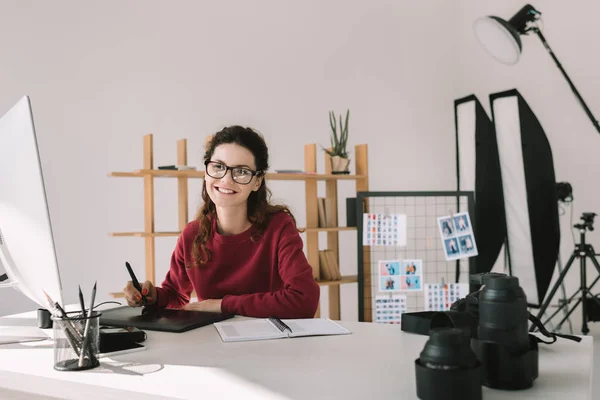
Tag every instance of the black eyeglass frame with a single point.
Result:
(228, 168)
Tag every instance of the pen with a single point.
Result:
(86, 330)
(135, 282)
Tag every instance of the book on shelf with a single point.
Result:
(275, 328)
(333, 265)
(324, 272)
(330, 214)
(328, 266)
(177, 167)
(322, 212)
(289, 171)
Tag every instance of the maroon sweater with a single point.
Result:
(264, 276)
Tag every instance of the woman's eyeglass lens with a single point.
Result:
(240, 175)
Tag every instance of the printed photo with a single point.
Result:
(409, 282)
(440, 297)
(451, 248)
(389, 267)
(412, 267)
(462, 222)
(389, 283)
(457, 237)
(467, 245)
(446, 226)
(384, 230)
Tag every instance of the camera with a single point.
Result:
(588, 221)
(490, 325)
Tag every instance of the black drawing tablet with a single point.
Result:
(159, 319)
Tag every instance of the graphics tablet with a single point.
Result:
(159, 319)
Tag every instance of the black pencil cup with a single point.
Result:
(76, 341)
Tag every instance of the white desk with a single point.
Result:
(375, 362)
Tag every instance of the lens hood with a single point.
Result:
(447, 367)
(503, 369)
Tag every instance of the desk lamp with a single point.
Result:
(502, 40)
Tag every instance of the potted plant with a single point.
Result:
(339, 155)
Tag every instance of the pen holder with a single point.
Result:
(76, 341)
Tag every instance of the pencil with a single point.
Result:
(67, 327)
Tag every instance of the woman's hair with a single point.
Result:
(260, 208)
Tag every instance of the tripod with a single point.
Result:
(582, 251)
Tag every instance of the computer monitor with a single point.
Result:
(27, 251)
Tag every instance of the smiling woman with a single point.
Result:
(242, 254)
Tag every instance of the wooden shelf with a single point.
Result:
(334, 229)
(345, 279)
(145, 234)
(171, 234)
(160, 173)
(312, 232)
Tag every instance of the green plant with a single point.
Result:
(338, 141)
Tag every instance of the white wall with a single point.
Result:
(101, 75)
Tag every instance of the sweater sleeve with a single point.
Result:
(299, 297)
(176, 288)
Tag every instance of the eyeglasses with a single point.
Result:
(240, 175)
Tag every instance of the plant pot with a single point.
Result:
(340, 165)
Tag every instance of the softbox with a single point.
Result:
(478, 170)
(530, 197)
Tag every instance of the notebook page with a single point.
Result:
(254, 329)
(315, 326)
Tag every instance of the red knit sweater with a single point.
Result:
(264, 276)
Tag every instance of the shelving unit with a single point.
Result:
(310, 178)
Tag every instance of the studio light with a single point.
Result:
(478, 170)
(502, 40)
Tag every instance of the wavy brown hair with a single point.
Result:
(260, 208)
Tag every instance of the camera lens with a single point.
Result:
(503, 315)
(448, 368)
(448, 348)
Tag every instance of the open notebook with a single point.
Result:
(275, 328)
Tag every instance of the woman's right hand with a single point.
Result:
(134, 297)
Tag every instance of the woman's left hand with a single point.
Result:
(210, 305)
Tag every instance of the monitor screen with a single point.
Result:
(27, 251)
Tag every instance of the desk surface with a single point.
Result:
(375, 362)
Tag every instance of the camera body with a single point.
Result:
(495, 319)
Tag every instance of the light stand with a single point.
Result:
(501, 39)
(582, 251)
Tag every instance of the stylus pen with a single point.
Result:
(82, 303)
(86, 332)
(135, 282)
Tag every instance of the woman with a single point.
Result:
(242, 255)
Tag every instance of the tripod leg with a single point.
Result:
(570, 312)
(561, 277)
(584, 291)
(589, 251)
(592, 255)
(562, 306)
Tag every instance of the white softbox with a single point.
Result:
(529, 192)
(478, 171)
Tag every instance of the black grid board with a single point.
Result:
(422, 240)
